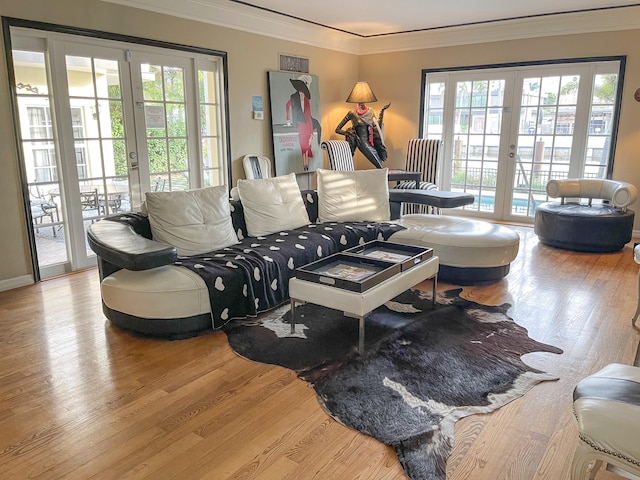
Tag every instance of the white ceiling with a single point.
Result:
(375, 17)
(377, 26)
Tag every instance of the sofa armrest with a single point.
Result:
(118, 244)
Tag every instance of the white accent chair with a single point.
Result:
(256, 167)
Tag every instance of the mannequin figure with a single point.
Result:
(365, 133)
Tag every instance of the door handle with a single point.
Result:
(133, 164)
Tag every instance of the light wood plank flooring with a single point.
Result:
(81, 399)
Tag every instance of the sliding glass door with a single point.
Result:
(507, 131)
(102, 123)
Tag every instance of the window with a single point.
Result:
(507, 130)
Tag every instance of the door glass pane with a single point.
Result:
(602, 109)
(545, 137)
(166, 126)
(213, 170)
(99, 133)
(40, 156)
(434, 114)
(476, 146)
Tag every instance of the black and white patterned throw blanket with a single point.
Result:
(253, 276)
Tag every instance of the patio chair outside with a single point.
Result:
(41, 207)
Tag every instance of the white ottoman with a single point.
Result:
(470, 251)
(606, 406)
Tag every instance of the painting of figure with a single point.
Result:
(297, 134)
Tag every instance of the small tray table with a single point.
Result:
(407, 256)
(349, 272)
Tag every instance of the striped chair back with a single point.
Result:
(422, 156)
(339, 153)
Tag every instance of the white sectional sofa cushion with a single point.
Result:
(193, 221)
(163, 293)
(353, 196)
(272, 204)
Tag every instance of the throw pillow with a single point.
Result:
(193, 221)
(272, 204)
(353, 196)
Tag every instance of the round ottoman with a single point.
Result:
(583, 228)
(470, 251)
(606, 406)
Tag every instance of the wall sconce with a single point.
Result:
(636, 95)
(361, 93)
(94, 113)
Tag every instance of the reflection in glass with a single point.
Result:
(29, 72)
(176, 120)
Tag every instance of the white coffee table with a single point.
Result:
(360, 304)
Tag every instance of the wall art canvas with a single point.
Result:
(295, 120)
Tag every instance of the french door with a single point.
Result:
(102, 123)
(507, 131)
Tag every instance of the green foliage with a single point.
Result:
(168, 156)
(117, 131)
(164, 155)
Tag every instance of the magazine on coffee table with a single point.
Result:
(386, 255)
(348, 272)
(355, 273)
(407, 256)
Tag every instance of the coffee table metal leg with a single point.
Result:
(361, 335)
(435, 290)
(293, 317)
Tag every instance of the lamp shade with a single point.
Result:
(361, 93)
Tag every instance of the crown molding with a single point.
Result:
(240, 17)
(565, 24)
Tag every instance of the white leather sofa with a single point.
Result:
(143, 290)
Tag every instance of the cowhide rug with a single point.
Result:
(423, 368)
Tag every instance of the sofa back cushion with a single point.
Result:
(194, 221)
(272, 205)
(353, 196)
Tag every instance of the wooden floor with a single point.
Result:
(81, 399)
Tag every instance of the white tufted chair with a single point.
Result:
(606, 406)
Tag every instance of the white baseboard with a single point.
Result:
(16, 282)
